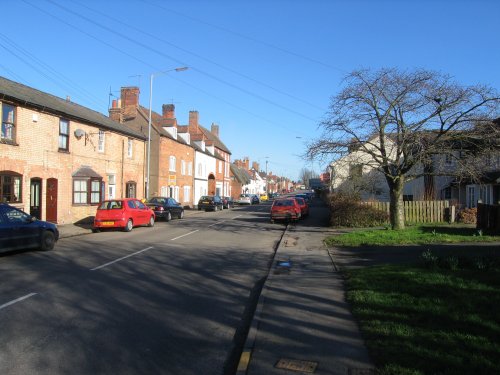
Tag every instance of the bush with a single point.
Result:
(348, 211)
(467, 216)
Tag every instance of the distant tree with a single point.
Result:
(402, 119)
(305, 174)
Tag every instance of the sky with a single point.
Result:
(263, 70)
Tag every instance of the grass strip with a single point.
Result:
(428, 321)
(419, 235)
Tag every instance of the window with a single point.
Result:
(220, 166)
(8, 123)
(190, 168)
(131, 189)
(187, 193)
(200, 169)
(171, 165)
(111, 186)
(87, 190)
(10, 187)
(130, 148)
(100, 144)
(407, 197)
(183, 167)
(63, 135)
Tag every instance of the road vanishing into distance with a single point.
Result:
(173, 299)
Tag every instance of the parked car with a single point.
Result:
(245, 199)
(123, 213)
(286, 209)
(263, 197)
(227, 202)
(255, 199)
(165, 208)
(304, 207)
(19, 230)
(210, 203)
(304, 196)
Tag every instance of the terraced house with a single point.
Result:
(58, 159)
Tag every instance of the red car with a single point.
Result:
(286, 209)
(304, 207)
(123, 213)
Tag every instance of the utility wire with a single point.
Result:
(243, 36)
(201, 57)
(155, 68)
(30, 57)
(145, 46)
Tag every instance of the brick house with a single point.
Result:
(58, 159)
(172, 155)
(213, 143)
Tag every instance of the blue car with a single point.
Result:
(18, 230)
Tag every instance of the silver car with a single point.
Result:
(244, 199)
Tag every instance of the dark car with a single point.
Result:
(255, 199)
(210, 203)
(227, 202)
(18, 230)
(165, 208)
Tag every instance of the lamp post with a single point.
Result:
(267, 178)
(149, 120)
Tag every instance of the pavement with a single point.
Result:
(302, 323)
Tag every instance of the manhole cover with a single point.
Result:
(297, 365)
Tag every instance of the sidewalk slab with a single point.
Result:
(304, 324)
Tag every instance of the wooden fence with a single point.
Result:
(420, 211)
(488, 217)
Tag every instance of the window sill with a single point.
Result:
(62, 151)
(8, 142)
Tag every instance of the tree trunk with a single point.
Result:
(396, 208)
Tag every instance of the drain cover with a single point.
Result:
(297, 365)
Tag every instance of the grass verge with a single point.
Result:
(417, 320)
(420, 235)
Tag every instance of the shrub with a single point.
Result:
(467, 216)
(348, 211)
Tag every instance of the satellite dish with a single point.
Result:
(79, 133)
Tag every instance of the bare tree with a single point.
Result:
(400, 120)
(305, 174)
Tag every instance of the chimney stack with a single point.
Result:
(193, 122)
(215, 129)
(130, 101)
(168, 111)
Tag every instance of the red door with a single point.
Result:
(51, 211)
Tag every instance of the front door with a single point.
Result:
(35, 197)
(51, 200)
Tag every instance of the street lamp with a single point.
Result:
(181, 69)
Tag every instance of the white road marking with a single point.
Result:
(217, 223)
(17, 300)
(184, 235)
(122, 258)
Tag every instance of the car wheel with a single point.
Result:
(48, 241)
(215, 208)
(129, 226)
(168, 217)
(95, 230)
(151, 222)
(181, 215)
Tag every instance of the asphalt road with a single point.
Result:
(173, 299)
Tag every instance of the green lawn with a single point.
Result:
(424, 234)
(417, 320)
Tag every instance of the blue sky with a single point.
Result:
(263, 70)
